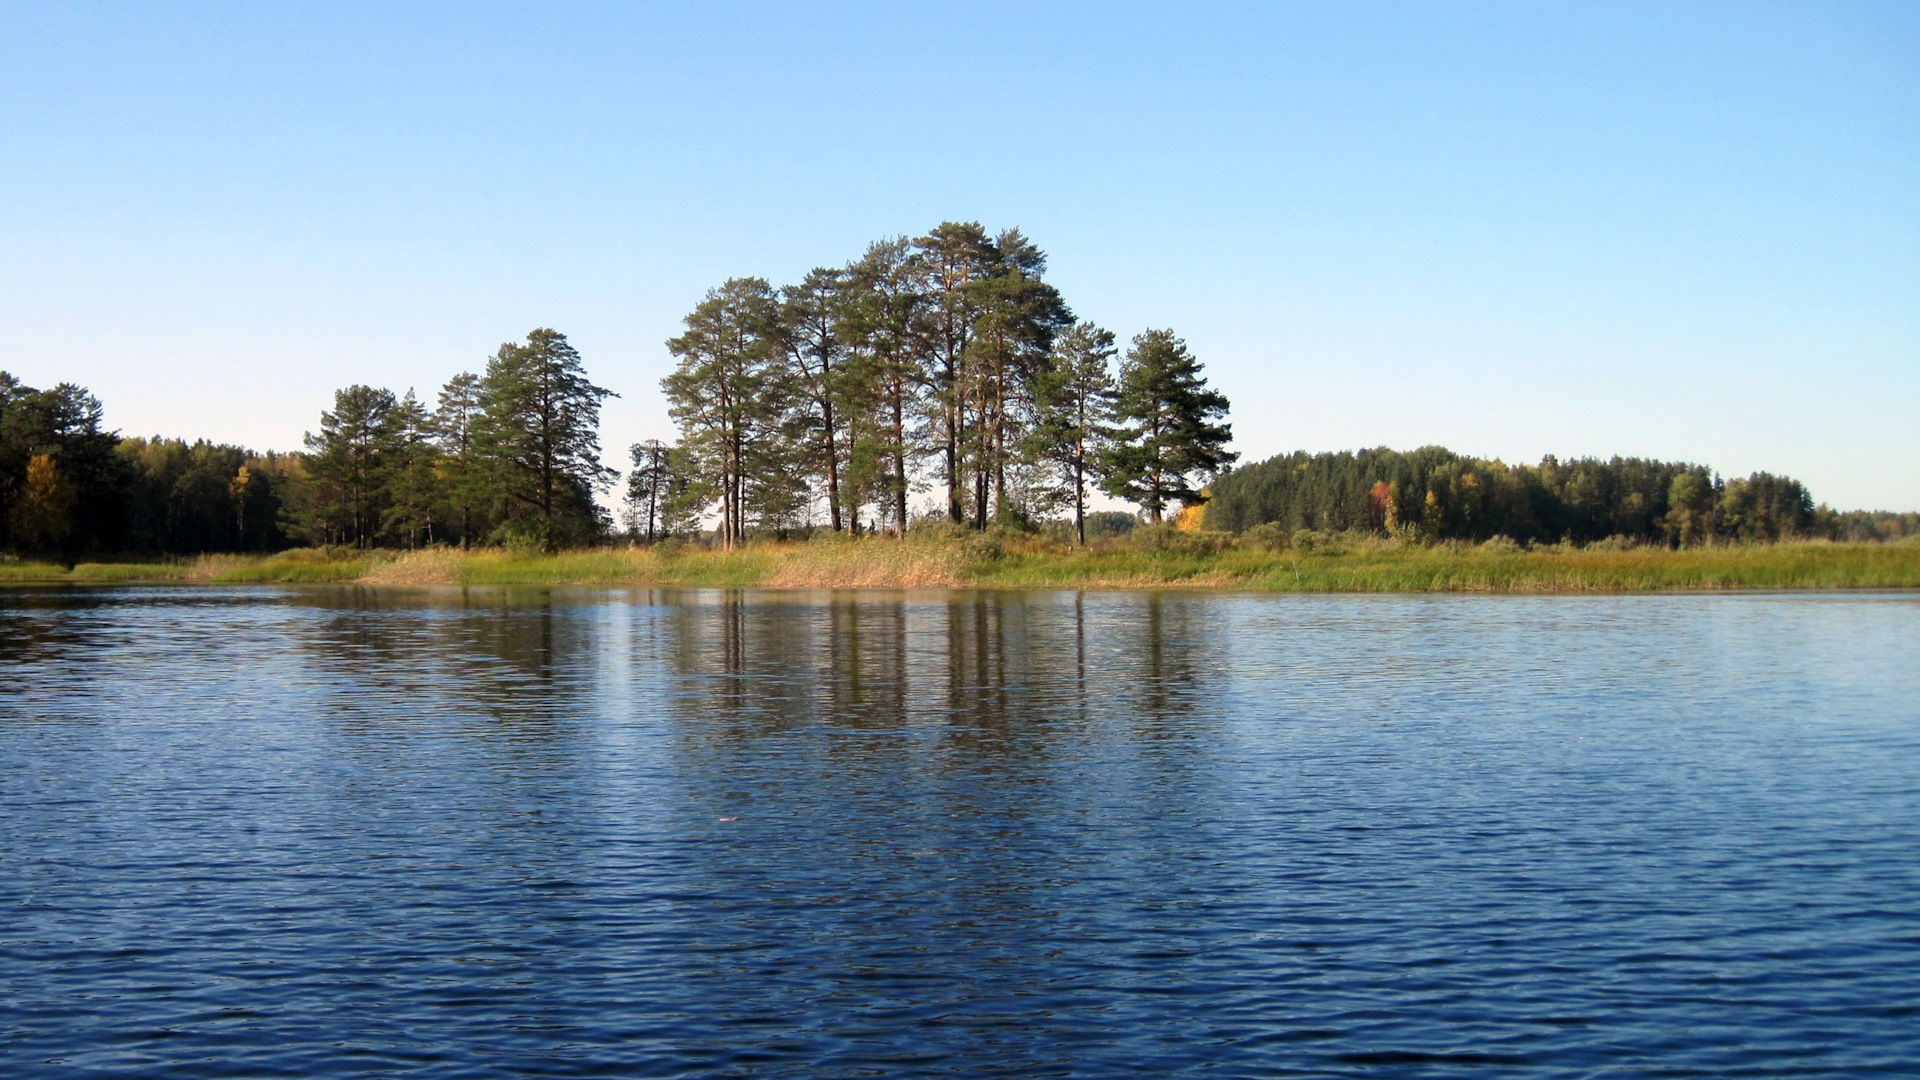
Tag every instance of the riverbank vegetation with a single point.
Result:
(1149, 558)
(936, 386)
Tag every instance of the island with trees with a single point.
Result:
(931, 413)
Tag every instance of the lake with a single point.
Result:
(356, 832)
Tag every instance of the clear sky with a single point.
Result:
(1671, 230)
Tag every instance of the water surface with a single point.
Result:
(353, 832)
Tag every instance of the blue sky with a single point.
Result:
(1680, 231)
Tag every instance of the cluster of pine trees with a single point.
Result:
(1435, 493)
(512, 455)
(944, 363)
(509, 456)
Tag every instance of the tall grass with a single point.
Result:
(1330, 565)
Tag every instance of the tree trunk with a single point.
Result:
(1080, 494)
(899, 463)
(955, 431)
(833, 468)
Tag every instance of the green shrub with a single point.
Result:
(523, 537)
(1103, 524)
(1311, 540)
(984, 547)
(1270, 535)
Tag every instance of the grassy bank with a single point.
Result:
(1336, 566)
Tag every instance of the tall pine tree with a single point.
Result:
(1073, 399)
(1171, 438)
(539, 433)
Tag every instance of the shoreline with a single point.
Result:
(1360, 566)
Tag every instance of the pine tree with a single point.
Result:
(464, 483)
(539, 435)
(648, 487)
(346, 461)
(410, 483)
(721, 393)
(1169, 435)
(1010, 352)
(1073, 400)
(951, 261)
(812, 340)
(884, 316)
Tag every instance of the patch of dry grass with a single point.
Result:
(874, 563)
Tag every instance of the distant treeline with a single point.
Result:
(1435, 493)
(68, 487)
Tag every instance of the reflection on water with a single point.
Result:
(501, 832)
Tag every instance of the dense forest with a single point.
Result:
(937, 378)
(1435, 493)
(69, 487)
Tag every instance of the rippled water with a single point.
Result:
(351, 832)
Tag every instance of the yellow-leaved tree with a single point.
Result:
(44, 513)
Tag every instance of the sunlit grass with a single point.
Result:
(1334, 565)
(1441, 568)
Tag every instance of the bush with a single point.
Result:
(1166, 538)
(1270, 535)
(984, 547)
(1310, 540)
(937, 528)
(527, 536)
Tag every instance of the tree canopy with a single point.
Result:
(944, 365)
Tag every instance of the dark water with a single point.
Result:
(355, 833)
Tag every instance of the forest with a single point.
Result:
(1435, 493)
(511, 456)
(937, 379)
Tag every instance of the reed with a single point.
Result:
(1332, 565)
